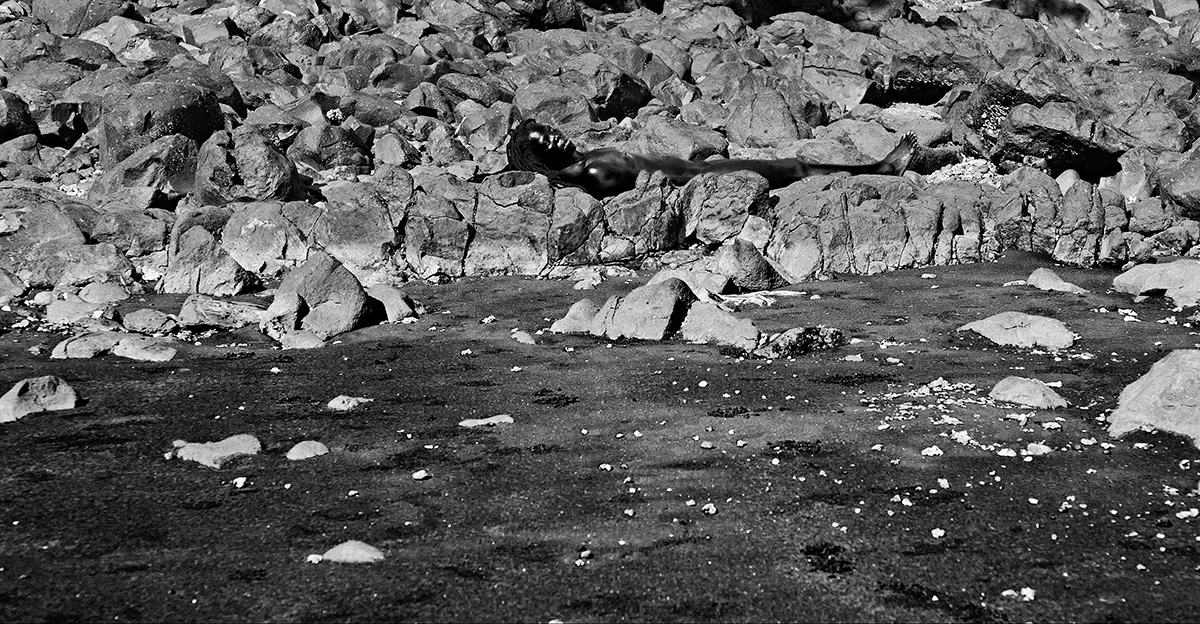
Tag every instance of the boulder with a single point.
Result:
(699, 281)
(436, 232)
(353, 551)
(716, 206)
(320, 297)
(1045, 279)
(153, 110)
(166, 166)
(799, 341)
(650, 312)
(149, 321)
(1166, 398)
(262, 239)
(578, 319)
(15, 119)
(71, 17)
(1017, 329)
(200, 265)
(201, 311)
(1179, 281)
(1027, 392)
(708, 322)
(357, 224)
(746, 267)
(511, 222)
(36, 394)
(396, 304)
(215, 454)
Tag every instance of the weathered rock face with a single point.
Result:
(511, 224)
(149, 109)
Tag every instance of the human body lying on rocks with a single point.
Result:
(607, 171)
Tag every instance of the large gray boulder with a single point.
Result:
(320, 297)
(1167, 398)
(650, 312)
(1179, 281)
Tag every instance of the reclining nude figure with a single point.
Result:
(607, 171)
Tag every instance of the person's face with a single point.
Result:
(549, 139)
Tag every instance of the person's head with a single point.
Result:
(536, 147)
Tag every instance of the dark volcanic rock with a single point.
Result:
(71, 17)
(156, 109)
(15, 119)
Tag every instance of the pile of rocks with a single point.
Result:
(675, 304)
(208, 147)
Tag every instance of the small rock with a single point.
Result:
(307, 450)
(149, 321)
(353, 551)
(36, 394)
(345, 403)
(213, 454)
(144, 349)
(300, 339)
(420, 475)
(499, 419)
(1018, 329)
(103, 292)
(1027, 392)
(523, 337)
(66, 312)
(1045, 279)
(1033, 448)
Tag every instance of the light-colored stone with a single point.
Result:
(344, 403)
(353, 551)
(214, 454)
(499, 419)
(1178, 280)
(86, 345)
(36, 394)
(103, 292)
(149, 321)
(699, 281)
(1017, 329)
(578, 319)
(307, 450)
(1167, 398)
(707, 322)
(1028, 392)
(650, 312)
(1045, 279)
(144, 349)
